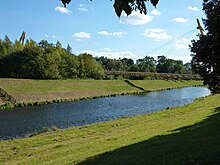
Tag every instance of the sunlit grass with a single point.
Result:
(25, 90)
(152, 85)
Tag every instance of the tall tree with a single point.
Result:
(126, 5)
(206, 50)
(165, 65)
(89, 67)
(69, 49)
(147, 64)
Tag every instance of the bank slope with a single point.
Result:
(156, 85)
(46, 91)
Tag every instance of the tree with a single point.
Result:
(161, 65)
(45, 44)
(26, 63)
(89, 67)
(6, 46)
(127, 63)
(206, 50)
(45, 61)
(165, 65)
(188, 68)
(69, 49)
(126, 5)
(134, 68)
(147, 64)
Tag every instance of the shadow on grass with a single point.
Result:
(195, 144)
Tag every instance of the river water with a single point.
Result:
(19, 122)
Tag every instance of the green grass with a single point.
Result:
(24, 90)
(155, 85)
(38, 90)
(182, 135)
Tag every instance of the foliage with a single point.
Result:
(147, 64)
(65, 2)
(90, 68)
(165, 65)
(126, 5)
(44, 61)
(206, 50)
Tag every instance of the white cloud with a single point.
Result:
(107, 49)
(157, 34)
(155, 12)
(182, 44)
(82, 35)
(193, 8)
(63, 10)
(82, 9)
(135, 18)
(112, 55)
(105, 33)
(180, 20)
(52, 36)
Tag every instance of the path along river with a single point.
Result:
(19, 122)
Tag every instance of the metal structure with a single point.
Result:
(22, 38)
(200, 27)
(152, 75)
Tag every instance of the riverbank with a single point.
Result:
(186, 135)
(35, 92)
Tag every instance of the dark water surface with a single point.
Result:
(19, 122)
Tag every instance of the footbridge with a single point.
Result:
(153, 75)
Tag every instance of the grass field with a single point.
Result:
(182, 135)
(40, 90)
(155, 85)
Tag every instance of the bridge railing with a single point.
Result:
(156, 75)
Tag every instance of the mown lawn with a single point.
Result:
(25, 90)
(154, 85)
(37, 90)
(182, 135)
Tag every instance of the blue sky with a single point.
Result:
(93, 27)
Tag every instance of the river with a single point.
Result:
(19, 122)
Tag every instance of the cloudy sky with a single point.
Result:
(93, 27)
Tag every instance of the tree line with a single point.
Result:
(45, 60)
(146, 64)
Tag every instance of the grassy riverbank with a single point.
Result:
(40, 91)
(46, 91)
(186, 135)
(156, 85)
